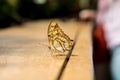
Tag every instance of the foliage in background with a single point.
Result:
(15, 11)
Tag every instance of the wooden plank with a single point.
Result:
(24, 52)
(79, 66)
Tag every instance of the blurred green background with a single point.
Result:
(18, 11)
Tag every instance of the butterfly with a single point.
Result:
(58, 40)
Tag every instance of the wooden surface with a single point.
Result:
(24, 53)
(78, 67)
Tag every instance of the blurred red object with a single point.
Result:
(100, 51)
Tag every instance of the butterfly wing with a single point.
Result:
(58, 40)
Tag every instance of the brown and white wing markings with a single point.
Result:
(58, 40)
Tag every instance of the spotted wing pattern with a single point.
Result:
(58, 40)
